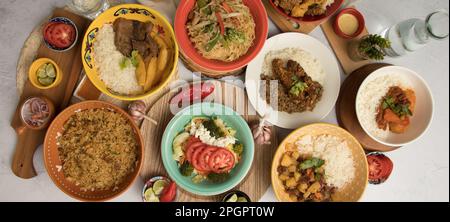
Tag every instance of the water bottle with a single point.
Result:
(412, 34)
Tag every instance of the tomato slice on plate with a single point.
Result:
(195, 158)
(380, 167)
(221, 161)
(60, 35)
(204, 156)
(191, 148)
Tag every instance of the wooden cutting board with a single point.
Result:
(346, 111)
(340, 45)
(257, 180)
(287, 25)
(70, 64)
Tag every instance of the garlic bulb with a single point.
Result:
(261, 132)
(137, 110)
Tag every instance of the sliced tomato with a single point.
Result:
(221, 161)
(60, 35)
(169, 193)
(195, 159)
(204, 156)
(191, 149)
(380, 167)
(221, 24)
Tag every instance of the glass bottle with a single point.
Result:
(412, 34)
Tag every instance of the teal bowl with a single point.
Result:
(232, 119)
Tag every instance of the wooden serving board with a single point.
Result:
(340, 45)
(70, 64)
(257, 180)
(346, 111)
(287, 25)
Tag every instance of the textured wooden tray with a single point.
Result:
(258, 178)
(287, 25)
(340, 46)
(346, 112)
(70, 64)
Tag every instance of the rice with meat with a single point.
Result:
(107, 59)
(98, 149)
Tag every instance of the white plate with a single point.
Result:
(422, 115)
(331, 84)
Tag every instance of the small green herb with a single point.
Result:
(211, 44)
(213, 129)
(399, 109)
(232, 35)
(186, 169)
(238, 148)
(208, 28)
(372, 46)
(310, 163)
(217, 177)
(297, 88)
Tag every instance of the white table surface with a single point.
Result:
(421, 169)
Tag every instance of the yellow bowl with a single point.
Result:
(32, 73)
(351, 191)
(133, 12)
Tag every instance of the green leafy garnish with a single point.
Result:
(132, 61)
(311, 163)
(186, 169)
(211, 44)
(238, 148)
(297, 88)
(213, 129)
(217, 177)
(208, 28)
(232, 35)
(398, 109)
(202, 3)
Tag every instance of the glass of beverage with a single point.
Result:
(88, 8)
(412, 34)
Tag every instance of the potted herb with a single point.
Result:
(368, 47)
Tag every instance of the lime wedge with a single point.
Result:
(149, 196)
(158, 186)
(41, 73)
(50, 69)
(233, 198)
(46, 81)
(241, 199)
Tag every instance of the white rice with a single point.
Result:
(310, 64)
(339, 167)
(369, 99)
(107, 59)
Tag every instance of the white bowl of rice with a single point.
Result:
(372, 90)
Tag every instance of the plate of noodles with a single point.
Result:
(221, 35)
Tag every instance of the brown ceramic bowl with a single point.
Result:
(52, 161)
